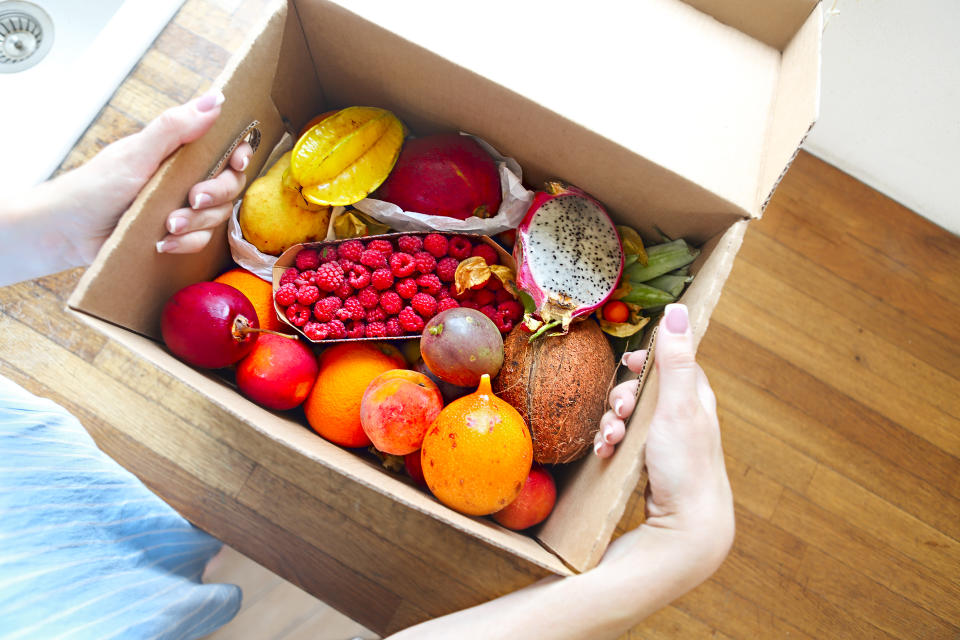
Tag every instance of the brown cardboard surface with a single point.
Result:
(722, 109)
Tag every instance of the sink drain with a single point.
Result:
(26, 35)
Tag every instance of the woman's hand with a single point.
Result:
(102, 189)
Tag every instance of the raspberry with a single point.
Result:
(375, 315)
(424, 304)
(307, 259)
(298, 314)
(356, 329)
(410, 322)
(486, 252)
(391, 302)
(424, 262)
(443, 294)
(350, 250)
(459, 247)
(469, 304)
(325, 308)
(286, 295)
(289, 275)
(460, 297)
(382, 279)
(328, 254)
(373, 259)
(369, 297)
(493, 284)
(401, 264)
(512, 308)
(346, 265)
(376, 330)
(351, 310)
(430, 283)
(503, 321)
(447, 268)
(308, 294)
(393, 326)
(410, 244)
(358, 277)
(407, 288)
(447, 303)
(489, 310)
(382, 245)
(483, 297)
(435, 244)
(344, 291)
(329, 276)
(315, 330)
(306, 277)
(336, 330)
(503, 295)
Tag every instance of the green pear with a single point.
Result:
(274, 216)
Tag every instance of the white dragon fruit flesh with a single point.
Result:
(568, 254)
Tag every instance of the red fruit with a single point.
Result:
(308, 294)
(424, 304)
(286, 294)
(391, 302)
(460, 345)
(289, 276)
(450, 392)
(410, 244)
(489, 310)
(397, 409)
(316, 331)
(358, 276)
(407, 288)
(512, 308)
(278, 373)
(393, 327)
(401, 264)
(447, 268)
(376, 314)
(307, 259)
(616, 311)
(435, 244)
(412, 463)
(369, 297)
(350, 250)
(430, 283)
(306, 277)
(344, 291)
(356, 329)
(447, 303)
(533, 505)
(410, 321)
(382, 245)
(424, 262)
(503, 321)
(444, 175)
(336, 329)
(298, 314)
(483, 297)
(376, 330)
(382, 278)
(373, 259)
(209, 325)
(345, 264)
(329, 276)
(328, 254)
(325, 308)
(486, 252)
(459, 247)
(351, 310)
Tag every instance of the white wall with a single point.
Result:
(890, 108)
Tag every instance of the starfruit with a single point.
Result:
(344, 157)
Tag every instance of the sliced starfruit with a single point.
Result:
(344, 157)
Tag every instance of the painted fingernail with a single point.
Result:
(167, 245)
(617, 406)
(244, 163)
(597, 445)
(201, 200)
(176, 224)
(623, 359)
(677, 321)
(209, 101)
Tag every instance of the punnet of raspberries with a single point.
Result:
(387, 286)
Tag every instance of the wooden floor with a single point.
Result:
(835, 356)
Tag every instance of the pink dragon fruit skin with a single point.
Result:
(568, 254)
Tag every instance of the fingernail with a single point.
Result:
(623, 359)
(677, 321)
(166, 245)
(617, 406)
(209, 101)
(201, 200)
(597, 445)
(176, 224)
(244, 163)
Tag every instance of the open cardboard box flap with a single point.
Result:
(684, 121)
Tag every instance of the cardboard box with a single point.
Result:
(683, 117)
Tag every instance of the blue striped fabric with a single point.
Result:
(86, 551)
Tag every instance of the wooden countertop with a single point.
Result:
(834, 353)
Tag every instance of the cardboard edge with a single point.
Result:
(796, 105)
(517, 545)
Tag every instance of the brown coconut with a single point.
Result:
(559, 385)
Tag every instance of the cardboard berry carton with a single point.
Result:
(678, 116)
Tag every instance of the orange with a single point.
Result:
(333, 406)
(259, 292)
(477, 454)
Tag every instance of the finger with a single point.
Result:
(240, 158)
(705, 392)
(676, 363)
(187, 243)
(601, 448)
(184, 221)
(177, 126)
(220, 190)
(612, 428)
(634, 360)
(623, 397)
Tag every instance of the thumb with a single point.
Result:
(676, 363)
(175, 127)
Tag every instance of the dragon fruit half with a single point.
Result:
(568, 254)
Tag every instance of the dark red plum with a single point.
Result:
(209, 325)
(450, 392)
(460, 345)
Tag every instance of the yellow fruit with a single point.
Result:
(274, 217)
(260, 293)
(344, 157)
